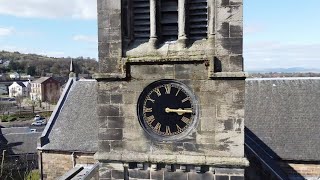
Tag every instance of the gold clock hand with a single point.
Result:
(178, 111)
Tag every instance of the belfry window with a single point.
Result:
(169, 20)
(198, 19)
(141, 19)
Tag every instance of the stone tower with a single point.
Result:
(171, 89)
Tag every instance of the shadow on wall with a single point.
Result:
(264, 162)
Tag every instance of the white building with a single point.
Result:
(14, 75)
(19, 89)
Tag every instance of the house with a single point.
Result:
(18, 145)
(45, 89)
(14, 75)
(20, 89)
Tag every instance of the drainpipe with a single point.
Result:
(73, 158)
(3, 151)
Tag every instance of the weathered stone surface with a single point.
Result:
(211, 68)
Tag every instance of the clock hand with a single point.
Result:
(178, 111)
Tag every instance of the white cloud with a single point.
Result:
(81, 9)
(265, 55)
(5, 31)
(84, 38)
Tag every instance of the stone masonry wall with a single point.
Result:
(114, 171)
(57, 164)
(298, 170)
(218, 134)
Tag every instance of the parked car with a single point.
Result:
(37, 117)
(33, 130)
(38, 123)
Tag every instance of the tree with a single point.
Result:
(19, 99)
(31, 70)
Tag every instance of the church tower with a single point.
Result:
(171, 89)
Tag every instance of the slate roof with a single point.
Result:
(20, 143)
(75, 127)
(13, 130)
(285, 114)
(21, 84)
(282, 112)
(41, 80)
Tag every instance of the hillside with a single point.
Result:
(39, 65)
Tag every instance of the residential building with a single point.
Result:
(20, 89)
(45, 89)
(14, 75)
(18, 145)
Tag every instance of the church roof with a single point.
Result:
(284, 114)
(73, 126)
(18, 140)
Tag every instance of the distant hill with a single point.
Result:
(39, 65)
(286, 70)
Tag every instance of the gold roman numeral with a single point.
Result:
(168, 131)
(178, 92)
(157, 127)
(157, 90)
(178, 128)
(186, 120)
(149, 99)
(185, 99)
(168, 88)
(147, 109)
(150, 119)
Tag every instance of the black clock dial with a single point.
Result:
(167, 109)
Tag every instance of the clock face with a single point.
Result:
(167, 110)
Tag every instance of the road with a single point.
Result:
(22, 124)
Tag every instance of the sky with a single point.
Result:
(277, 33)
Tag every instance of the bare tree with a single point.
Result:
(19, 100)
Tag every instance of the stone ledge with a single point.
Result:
(109, 76)
(172, 59)
(173, 159)
(228, 75)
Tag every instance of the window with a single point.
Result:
(141, 20)
(169, 20)
(198, 19)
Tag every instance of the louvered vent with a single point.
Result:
(198, 19)
(141, 19)
(169, 20)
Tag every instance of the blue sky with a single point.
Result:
(277, 33)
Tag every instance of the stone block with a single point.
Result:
(221, 177)
(111, 134)
(224, 30)
(237, 178)
(229, 171)
(108, 110)
(103, 98)
(236, 63)
(152, 72)
(200, 176)
(104, 146)
(236, 29)
(115, 122)
(157, 175)
(139, 174)
(175, 175)
(103, 123)
(117, 174)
